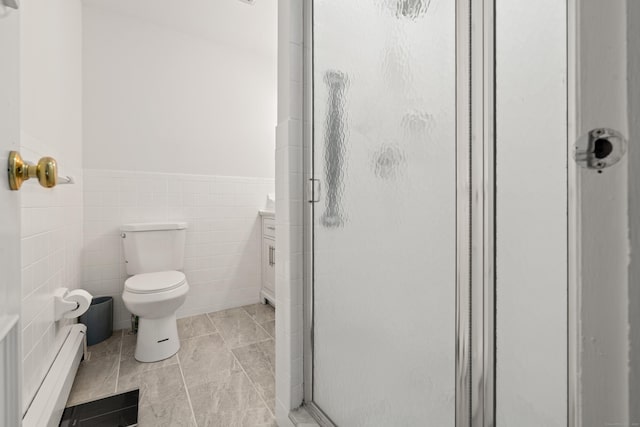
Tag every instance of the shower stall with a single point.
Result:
(384, 225)
(444, 249)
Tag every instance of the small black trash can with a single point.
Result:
(99, 320)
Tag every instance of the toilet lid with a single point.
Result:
(154, 282)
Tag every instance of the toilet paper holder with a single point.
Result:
(70, 304)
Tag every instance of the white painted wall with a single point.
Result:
(161, 99)
(10, 286)
(50, 124)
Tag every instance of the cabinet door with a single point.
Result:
(268, 264)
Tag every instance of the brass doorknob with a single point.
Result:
(19, 171)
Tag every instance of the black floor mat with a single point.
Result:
(120, 410)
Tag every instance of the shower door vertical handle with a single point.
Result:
(313, 190)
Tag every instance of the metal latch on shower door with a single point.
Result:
(313, 190)
(600, 148)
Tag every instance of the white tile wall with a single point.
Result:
(222, 256)
(289, 206)
(50, 125)
(51, 233)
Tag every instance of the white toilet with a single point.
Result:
(153, 253)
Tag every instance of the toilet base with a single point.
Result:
(157, 339)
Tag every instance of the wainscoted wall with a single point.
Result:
(222, 259)
(51, 220)
(168, 95)
(289, 206)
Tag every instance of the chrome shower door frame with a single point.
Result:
(475, 223)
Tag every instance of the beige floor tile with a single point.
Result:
(172, 413)
(261, 312)
(221, 393)
(254, 417)
(128, 344)
(233, 393)
(95, 379)
(195, 326)
(259, 362)
(131, 366)
(107, 347)
(259, 417)
(156, 385)
(238, 330)
(239, 311)
(270, 327)
(205, 359)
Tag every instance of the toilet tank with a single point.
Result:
(151, 247)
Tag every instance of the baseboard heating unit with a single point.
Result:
(9, 372)
(48, 404)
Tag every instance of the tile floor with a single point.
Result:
(222, 376)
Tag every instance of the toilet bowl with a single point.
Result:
(154, 254)
(154, 298)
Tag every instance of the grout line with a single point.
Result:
(244, 308)
(119, 360)
(253, 384)
(230, 350)
(198, 336)
(265, 340)
(263, 328)
(212, 322)
(215, 331)
(186, 389)
(260, 323)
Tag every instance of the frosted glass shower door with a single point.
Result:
(384, 236)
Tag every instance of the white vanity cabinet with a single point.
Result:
(268, 292)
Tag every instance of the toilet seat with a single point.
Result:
(149, 283)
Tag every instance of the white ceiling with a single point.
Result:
(231, 22)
